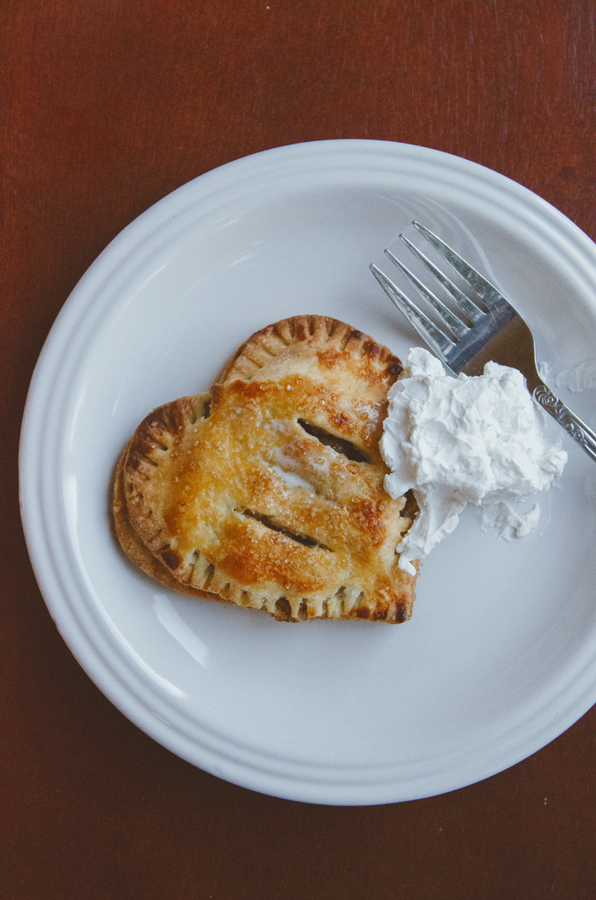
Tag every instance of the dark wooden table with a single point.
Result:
(107, 105)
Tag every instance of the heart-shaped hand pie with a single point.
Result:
(268, 492)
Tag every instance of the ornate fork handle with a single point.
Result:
(577, 429)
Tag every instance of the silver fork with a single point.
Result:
(484, 328)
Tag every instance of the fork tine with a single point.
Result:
(485, 290)
(439, 343)
(453, 322)
(466, 305)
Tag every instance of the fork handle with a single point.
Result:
(578, 430)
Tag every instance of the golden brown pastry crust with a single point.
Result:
(135, 549)
(268, 492)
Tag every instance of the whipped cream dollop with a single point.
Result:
(454, 441)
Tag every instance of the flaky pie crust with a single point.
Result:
(268, 491)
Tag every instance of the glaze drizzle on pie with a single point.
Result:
(268, 492)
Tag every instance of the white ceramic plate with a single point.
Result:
(500, 656)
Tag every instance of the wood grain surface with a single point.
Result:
(106, 106)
